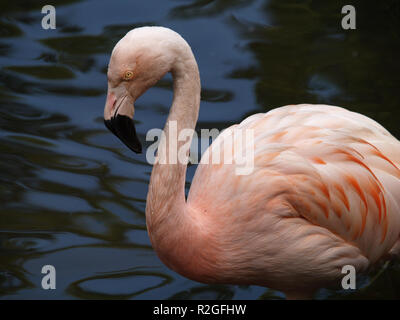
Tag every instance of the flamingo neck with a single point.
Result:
(167, 183)
(167, 214)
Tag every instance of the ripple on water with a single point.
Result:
(138, 237)
(125, 211)
(42, 242)
(78, 164)
(10, 283)
(57, 202)
(118, 285)
(32, 140)
(124, 188)
(75, 180)
(103, 260)
(44, 72)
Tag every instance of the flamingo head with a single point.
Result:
(141, 58)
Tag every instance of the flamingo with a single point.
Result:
(324, 191)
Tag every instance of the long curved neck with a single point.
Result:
(166, 209)
(167, 183)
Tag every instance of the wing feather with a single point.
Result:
(332, 167)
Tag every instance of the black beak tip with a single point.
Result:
(124, 128)
(108, 125)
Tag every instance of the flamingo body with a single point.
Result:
(323, 194)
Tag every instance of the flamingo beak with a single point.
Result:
(118, 118)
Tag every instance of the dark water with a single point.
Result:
(74, 197)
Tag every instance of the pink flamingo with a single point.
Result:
(324, 192)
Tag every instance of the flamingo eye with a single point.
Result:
(128, 75)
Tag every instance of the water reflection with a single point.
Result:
(118, 285)
(73, 196)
